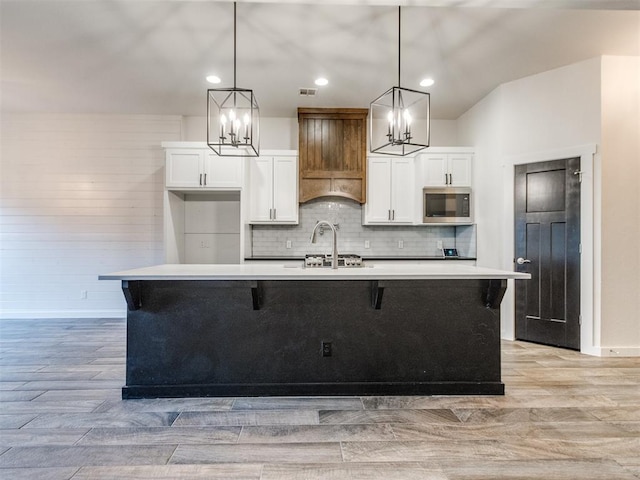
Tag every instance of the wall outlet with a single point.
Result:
(83, 294)
(288, 243)
(367, 244)
(439, 244)
(326, 349)
(400, 243)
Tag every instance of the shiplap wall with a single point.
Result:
(80, 195)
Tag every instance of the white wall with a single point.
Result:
(560, 111)
(620, 203)
(282, 133)
(482, 127)
(80, 195)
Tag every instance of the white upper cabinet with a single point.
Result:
(260, 189)
(446, 169)
(285, 189)
(389, 190)
(222, 172)
(273, 189)
(184, 168)
(200, 168)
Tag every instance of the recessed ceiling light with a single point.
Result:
(213, 79)
(321, 82)
(427, 82)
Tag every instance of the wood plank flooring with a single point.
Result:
(565, 416)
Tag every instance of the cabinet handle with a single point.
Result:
(393, 214)
(200, 179)
(450, 179)
(275, 214)
(205, 179)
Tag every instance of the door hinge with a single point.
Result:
(579, 319)
(580, 248)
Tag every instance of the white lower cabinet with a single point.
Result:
(273, 189)
(389, 191)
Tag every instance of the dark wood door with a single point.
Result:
(547, 245)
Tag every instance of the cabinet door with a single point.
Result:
(378, 206)
(222, 172)
(184, 168)
(260, 189)
(435, 170)
(460, 170)
(402, 190)
(285, 191)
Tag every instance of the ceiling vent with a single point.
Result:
(308, 92)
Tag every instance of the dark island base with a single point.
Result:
(311, 389)
(305, 338)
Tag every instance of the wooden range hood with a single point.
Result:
(333, 153)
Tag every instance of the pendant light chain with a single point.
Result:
(234, 45)
(399, 43)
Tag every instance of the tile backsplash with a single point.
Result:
(417, 241)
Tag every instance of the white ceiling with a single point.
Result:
(151, 57)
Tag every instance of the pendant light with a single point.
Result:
(399, 118)
(233, 117)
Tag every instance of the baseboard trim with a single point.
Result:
(618, 351)
(313, 389)
(40, 314)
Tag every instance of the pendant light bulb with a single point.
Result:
(407, 117)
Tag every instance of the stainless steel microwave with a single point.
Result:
(447, 205)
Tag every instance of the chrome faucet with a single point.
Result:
(334, 246)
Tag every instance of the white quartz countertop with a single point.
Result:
(398, 271)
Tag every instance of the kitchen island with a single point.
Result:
(249, 330)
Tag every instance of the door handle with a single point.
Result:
(522, 261)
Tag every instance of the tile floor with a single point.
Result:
(565, 416)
